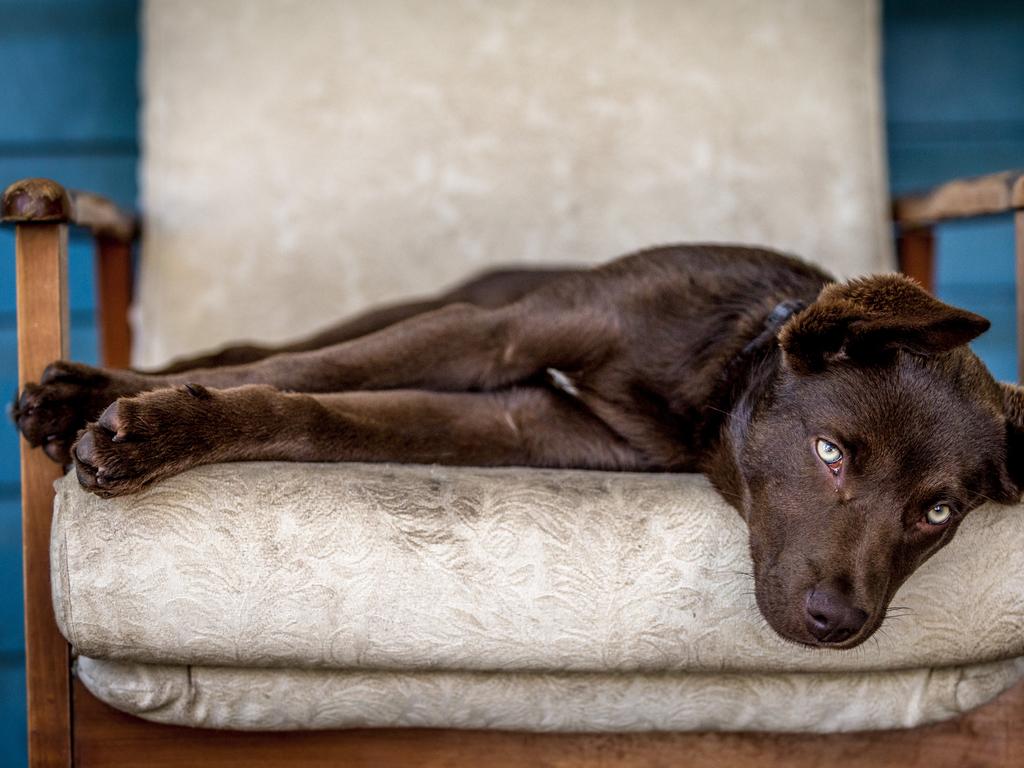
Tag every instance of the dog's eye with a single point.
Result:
(829, 453)
(939, 514)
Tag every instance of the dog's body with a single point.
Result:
(848, 423)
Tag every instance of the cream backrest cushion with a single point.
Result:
(306, 159)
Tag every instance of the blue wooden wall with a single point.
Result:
(954, 78)
(68, 110)
(954, 83)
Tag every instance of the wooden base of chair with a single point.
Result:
(989, 736)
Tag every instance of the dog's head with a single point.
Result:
(880, 433)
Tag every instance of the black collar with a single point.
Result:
(772, 323)
(736, 373)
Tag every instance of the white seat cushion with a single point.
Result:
(301, 699)
(420, 569)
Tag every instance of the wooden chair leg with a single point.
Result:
(41, 277)
(915, 250)
(113, 297)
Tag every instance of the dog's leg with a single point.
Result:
(492, 289)
(139, 440)
(69, 395)
(459, 347)
(367, 323)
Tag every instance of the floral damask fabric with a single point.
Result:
(292, 699)
(420, 568)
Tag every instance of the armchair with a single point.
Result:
(69, 726)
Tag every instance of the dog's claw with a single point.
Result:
(54, 448)
(51, 373)
(85, 449)
(24, 407)
(110, 420)
(197, 391)
(84, 478)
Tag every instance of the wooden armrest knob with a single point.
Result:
(39, 200)
(102, 217)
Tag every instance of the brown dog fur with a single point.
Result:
(665, 360)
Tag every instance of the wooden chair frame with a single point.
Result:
(69, 727)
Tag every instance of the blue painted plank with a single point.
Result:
(954, 61)
(69, 73)
(12, 627)
(976, 251)
(84, 339)
(112, 175)
(9, 450)
(13, 720)
(915, 165)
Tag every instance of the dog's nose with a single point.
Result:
(830, 616)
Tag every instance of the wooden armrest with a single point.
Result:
(43, 200)
(31, 203)
(41, 211)
(961, 198)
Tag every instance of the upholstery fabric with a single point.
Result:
(303, 159)
(290, 699)
(419, 568)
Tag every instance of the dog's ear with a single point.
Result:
(1013, 409)
(868, 318)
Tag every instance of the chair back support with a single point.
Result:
(303, 160)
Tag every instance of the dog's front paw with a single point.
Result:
(49, 414)
(139, 440)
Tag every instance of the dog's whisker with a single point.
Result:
(989, 498)
(902, 610)
(729, 494)
(719, 410)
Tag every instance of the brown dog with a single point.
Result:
(848, 423)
